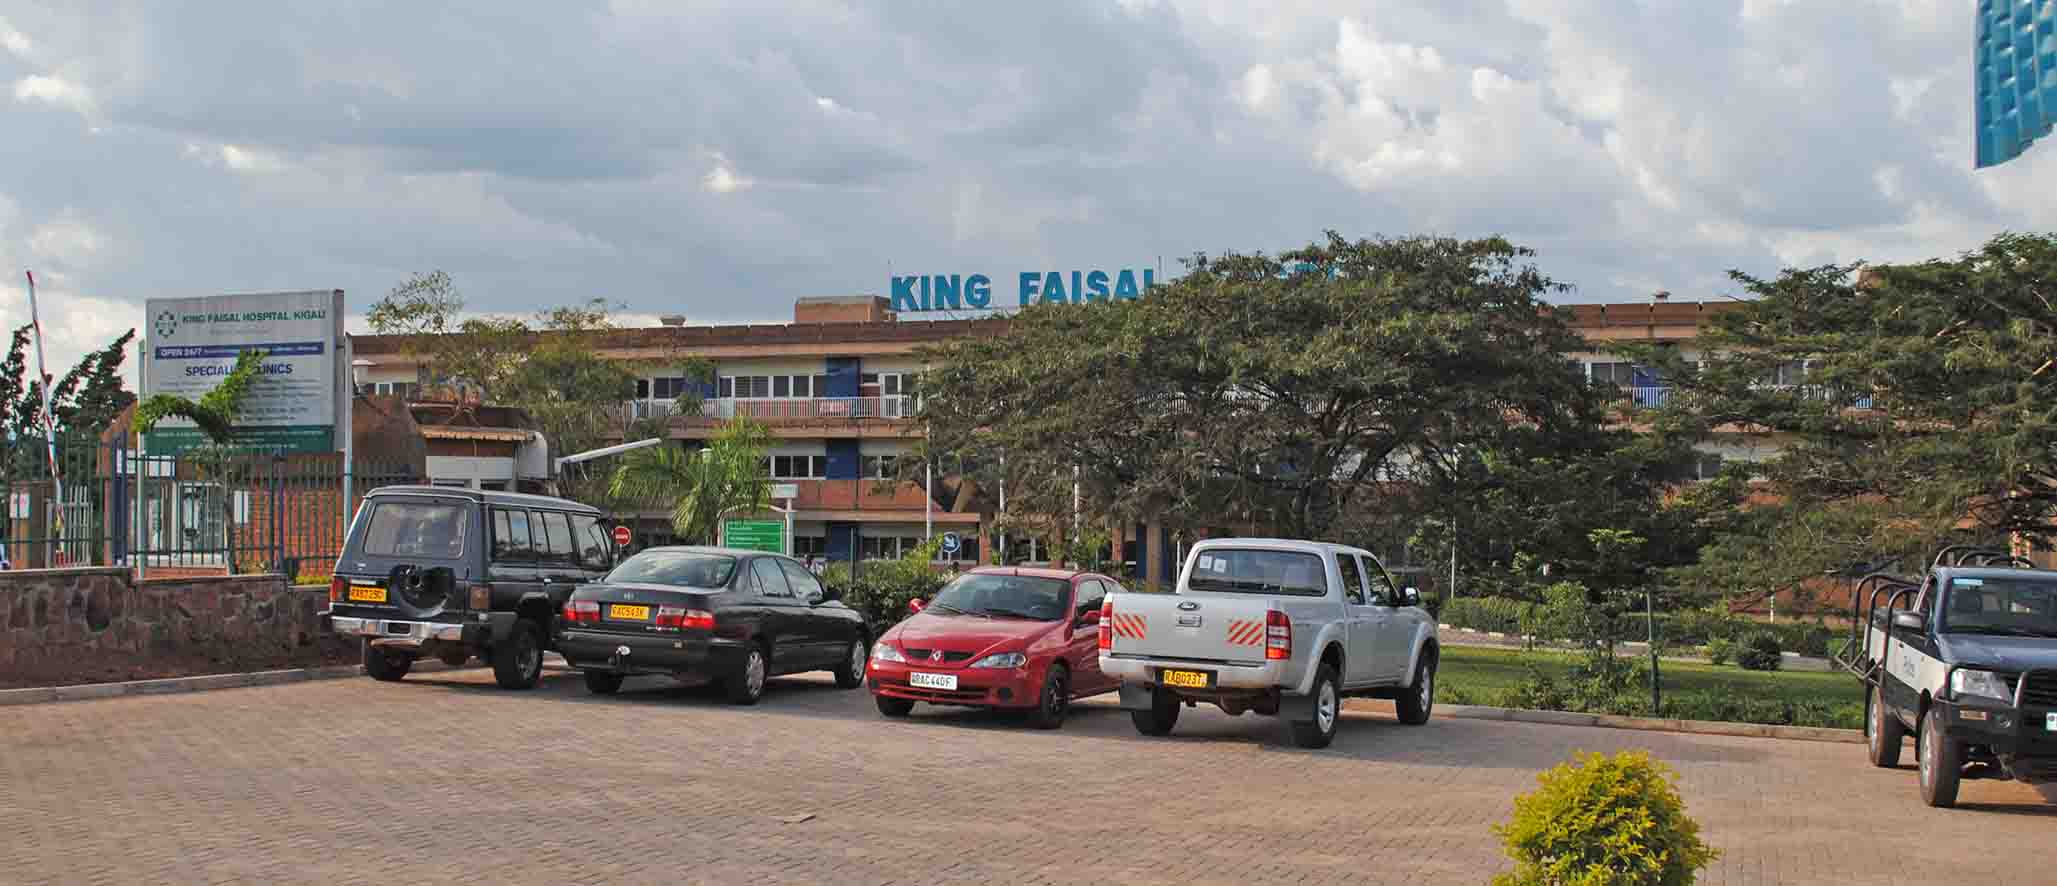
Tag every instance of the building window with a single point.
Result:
(805, 546)
(770, 387)
(1789, 374)
(879, 467)
(799, 467)
(1618, 374)
(493, 485)
(670, 388)
(402, 389)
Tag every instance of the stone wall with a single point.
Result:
(49, 614)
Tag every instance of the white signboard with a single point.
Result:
(785, 490)
(194, 343)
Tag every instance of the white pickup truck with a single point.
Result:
(1285, 628)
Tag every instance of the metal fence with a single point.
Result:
(204, 512)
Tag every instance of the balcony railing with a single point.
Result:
(1652, 397)
(782, 410)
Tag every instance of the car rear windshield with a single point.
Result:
(2006, 606)
(1240, 570)
(417, 529)
(686, 569)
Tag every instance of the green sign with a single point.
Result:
(286, 438)
(755, 535)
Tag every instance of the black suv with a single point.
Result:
(453, 573)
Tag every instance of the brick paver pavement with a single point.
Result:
(445, 778)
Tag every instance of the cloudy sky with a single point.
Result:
(721, 159)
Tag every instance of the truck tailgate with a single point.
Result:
(1189, 627)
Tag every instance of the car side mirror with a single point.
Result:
(1411, 596)
(1909, 620)
(914, 606)
(828, 595)
(1089, 617)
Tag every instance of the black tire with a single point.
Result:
(1055, 699)
(1162, 715)
(1942, 762)
(518, 661)
(850, 674)
(1882, 731)
(746, 685)
(1415, 704)
(386, 665)
(893, 707)
(603, 682)
(1328, 712)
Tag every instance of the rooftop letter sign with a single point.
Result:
(958, 292)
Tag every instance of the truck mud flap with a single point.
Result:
(1136, 696)
(1296, 708)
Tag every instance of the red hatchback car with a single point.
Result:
(998, 637)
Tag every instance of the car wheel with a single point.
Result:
(518, 662)
(603, 682)
(384, 664)
(1882, 731)
(1942, 762)
(893, 707)
(1414, 705)
(1055, 700)
(850, 674)
(746, 685)
(1162, 715)
(1328, 712)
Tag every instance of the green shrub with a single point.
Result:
(1720, 651)
(1433, 602)
(1488, 614)
(1607, 821)
(1758, 652)
(881, 589)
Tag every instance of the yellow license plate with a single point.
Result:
(367, 595)
(1185, 679)
(623, 612)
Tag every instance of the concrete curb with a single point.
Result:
(1653, 724)
(173, 685)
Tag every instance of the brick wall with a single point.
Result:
(60, 613)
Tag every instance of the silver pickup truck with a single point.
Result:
(1284, 628)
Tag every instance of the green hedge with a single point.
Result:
(1690, 628)
(1489, 613)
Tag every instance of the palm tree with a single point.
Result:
(700, 487)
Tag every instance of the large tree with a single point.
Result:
(1911, 404)
(1277, 390)
(550, 367)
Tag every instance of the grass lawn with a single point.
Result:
(1480, 675)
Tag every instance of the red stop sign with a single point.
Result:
(621, 536)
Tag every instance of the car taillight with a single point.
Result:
(688, 619)
(1107, 624)
(481, 597)
(1278, 635)
(581, 610)
(337, 587)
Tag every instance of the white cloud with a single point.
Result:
(14, 42)
(53, 90)
(69, 242)
(724, 180)
(243, 159)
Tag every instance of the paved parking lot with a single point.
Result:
(445, 778)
